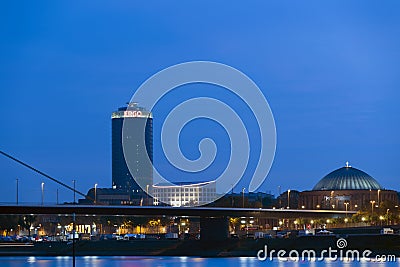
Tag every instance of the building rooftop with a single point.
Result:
(177, 184)
(347, 178)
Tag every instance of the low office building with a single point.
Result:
(184, 194)
(106, 196)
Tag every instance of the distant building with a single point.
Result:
(347, 188)
(246, 200)
(184, 194)
(139, 145)
(288, 200)
(106, 196)
(266, 199)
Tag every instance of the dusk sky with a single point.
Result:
(329, 70)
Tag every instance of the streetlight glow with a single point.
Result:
(42, 193)
(95, 193)
(379, 191)
(346, 204)
(243, 196)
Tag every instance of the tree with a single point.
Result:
(26, 222)
(140, 221)
(8, 222)
(234, 222)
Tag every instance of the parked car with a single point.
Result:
(259, 235)
(71, 236)
(234, 236)
(387, 231)
(324, 232)
(36, 238)
(171, 235)
(130, 236)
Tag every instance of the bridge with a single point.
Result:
(214, 223)
(171, 211)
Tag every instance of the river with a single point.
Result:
(100, 261)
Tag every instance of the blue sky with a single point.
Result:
(329, 70)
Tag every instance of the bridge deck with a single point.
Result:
(170, 211)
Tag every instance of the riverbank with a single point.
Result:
(378, 244)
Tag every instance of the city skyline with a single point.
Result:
(332, 85)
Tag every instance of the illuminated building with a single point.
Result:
(347, 188)
(128, 173)
(184, 194)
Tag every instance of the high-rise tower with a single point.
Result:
(132, 151)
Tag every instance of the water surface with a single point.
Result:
(134, 261)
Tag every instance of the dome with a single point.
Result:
(347, 178)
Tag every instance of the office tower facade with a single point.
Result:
(132, 151)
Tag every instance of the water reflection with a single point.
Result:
(100, 261)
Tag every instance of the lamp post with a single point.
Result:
(381, 218)
(17, 191)
(288, 199)
(232, 195)
(74, 182)
(42, 193)
(147, 195)
(346, 204)
(387, 216)
(279, 194)
(379, 192)
(95, 193)
(372, 208)
(243, 196)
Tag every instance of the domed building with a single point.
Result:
(346, 188)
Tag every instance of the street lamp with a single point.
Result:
(387, 216)
(346, 204)
(372, 208)
(95, 193)
(288, 199)
(147, 195)
(381, 218)
(17, 190)
(74, 181)
(243, 196)
(42, 193)
(379, 191)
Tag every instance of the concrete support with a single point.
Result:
(214, 228)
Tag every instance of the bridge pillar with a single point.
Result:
(214, 228)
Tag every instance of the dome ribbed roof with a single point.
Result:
(347, 178)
